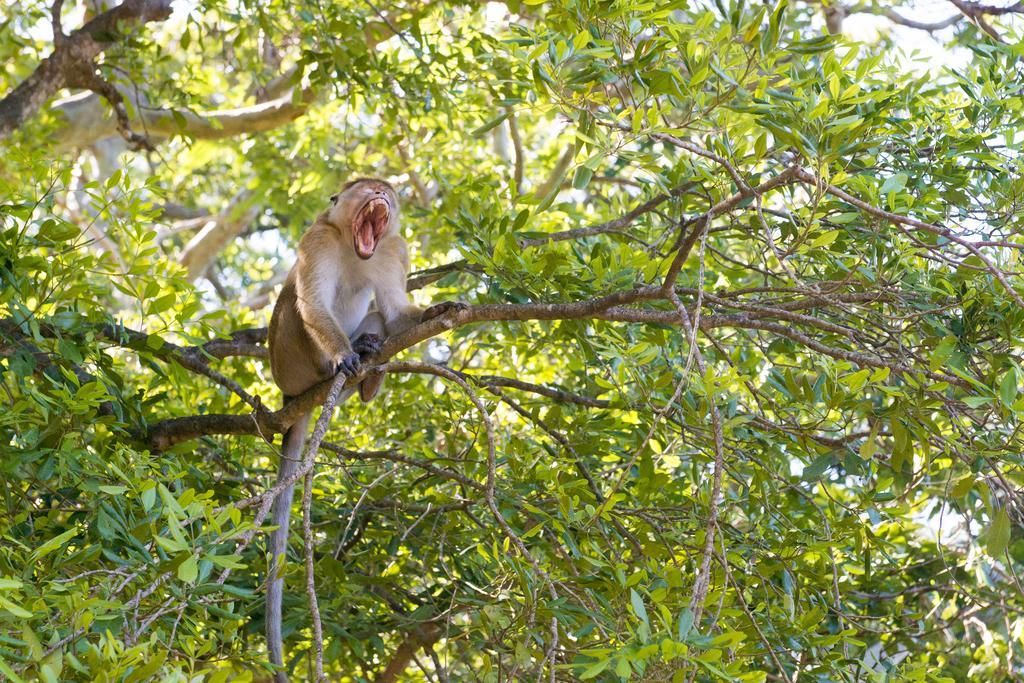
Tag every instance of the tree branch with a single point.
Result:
(43, 360)
(614, 226)
(929, 26)
(309, 548)
(517, 148)
(85, 121)
(612, 307)
(206, 245)
(899, 220)
(550, 392)
(971, 10)
(976, 9)
(58, 31)
(73, 53)
(976, 12)
(424, 635)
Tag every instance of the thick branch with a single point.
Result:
(979, 9)
(86, 120)
(929, 26)
(263, 422)
(977, 12)
(71, 54)
(424, 635)
(177, 212)
(203, 249)
(612, 308)
(971, 10)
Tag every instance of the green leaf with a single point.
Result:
(622, 668)
(226, 561)
(14, 608)
(171, 545)
(870, 445)
(638, 605)
(962, 487)
(52, 544)
(521, 219)
(894, 183)
(189, 569)
(490, 124)
(114, 490)
(9, 672)
(844, 121)
(685, 624)
(148, 498)
(35, 648)
(594, 669)
(998, 533)
(1008, 388)
(169, 501)
(825, 239)
(581, 177)
(55, 230)
(48, 674)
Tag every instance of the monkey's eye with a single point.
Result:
(334, 199)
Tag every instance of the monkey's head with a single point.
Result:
(367, 207)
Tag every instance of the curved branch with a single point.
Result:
(428, 276)
(424, 635)
(395, 456)
(929, 26)
(550, 392)
(263, 422)
(86, 120)
(971, 10)
(614, 226)
(217, 233)
(613, 308)
(898, 220)
(72, 54)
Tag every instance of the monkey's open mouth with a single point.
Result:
(369, 225)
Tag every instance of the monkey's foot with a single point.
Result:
(367, 344)
(443, 308)
(349, 364)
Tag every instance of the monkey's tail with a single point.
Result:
(291, 453)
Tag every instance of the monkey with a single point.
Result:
(323, 323)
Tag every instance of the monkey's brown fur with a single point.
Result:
(351, 254)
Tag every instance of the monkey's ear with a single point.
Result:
(334, 199)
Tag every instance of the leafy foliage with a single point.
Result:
(791, 450)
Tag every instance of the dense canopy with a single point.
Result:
(737, 395)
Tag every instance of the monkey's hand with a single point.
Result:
(367, 345)
(349, 364)
(443, 308)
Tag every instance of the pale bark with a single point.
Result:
(203, 249)
(71, 62)
(87, 119)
